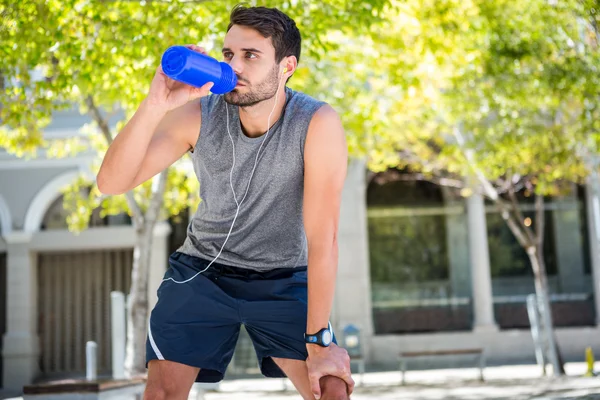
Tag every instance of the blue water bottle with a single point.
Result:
(197, 69)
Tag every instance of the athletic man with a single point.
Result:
(261, 250)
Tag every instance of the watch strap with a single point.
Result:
(317, 338)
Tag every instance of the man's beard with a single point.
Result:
(263, 91)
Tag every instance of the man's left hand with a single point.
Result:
(324, 361)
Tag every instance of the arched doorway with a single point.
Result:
(74, 289)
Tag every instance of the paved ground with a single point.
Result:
(501, 383)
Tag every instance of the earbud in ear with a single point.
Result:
(284, 70)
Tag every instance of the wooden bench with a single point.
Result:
(77, 389)
(404, 356)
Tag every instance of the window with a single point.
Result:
(410, 259)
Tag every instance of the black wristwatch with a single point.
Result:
(323, 338)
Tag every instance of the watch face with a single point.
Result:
(326, 338)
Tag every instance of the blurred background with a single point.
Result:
(473, 131)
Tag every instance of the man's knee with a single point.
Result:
(154, 392)
(160, 391)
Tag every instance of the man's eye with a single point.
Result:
(250, 55)
(227, 54)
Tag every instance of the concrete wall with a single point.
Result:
(19, 188)
(352, 301)
(500, 347)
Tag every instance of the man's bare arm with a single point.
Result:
(162, 129)
(150, 142)
(325, 165)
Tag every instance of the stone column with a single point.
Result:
(567, 242)
(353, 292)
(456, 242)
(21, 342)
(483, 305)
(158, 261)
(592, 194)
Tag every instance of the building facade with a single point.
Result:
(446, 273)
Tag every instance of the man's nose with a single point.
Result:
(236, 64)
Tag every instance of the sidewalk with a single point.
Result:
(520, 382)
(508, 382)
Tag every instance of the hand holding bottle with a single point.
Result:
(168, 94)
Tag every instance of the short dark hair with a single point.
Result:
(270, 23)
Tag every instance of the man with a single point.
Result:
(262, 247)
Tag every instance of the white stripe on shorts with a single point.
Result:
(153, 344)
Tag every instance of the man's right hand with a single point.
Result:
(164, 127)
(168, 94)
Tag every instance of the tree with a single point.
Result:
(100, 56)
(502, 97)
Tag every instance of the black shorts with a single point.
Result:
(197, 323)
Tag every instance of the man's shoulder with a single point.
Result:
(303, 97)
(301, 103)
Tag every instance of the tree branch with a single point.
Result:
(539, 220)
(102, 198)
(138, 215)
(411, 158)
(100, 120)
(520, 217)
(488, 188)
(491, 192)
(158, 185)
(503, 185)
(515, 229)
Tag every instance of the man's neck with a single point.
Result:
(254, 119)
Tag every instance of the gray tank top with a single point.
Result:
(269, 231)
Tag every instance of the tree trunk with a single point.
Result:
(530, 241)
(542, 293)
(533, 243)
(137, 303)
(144, 223)
(538, 265)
